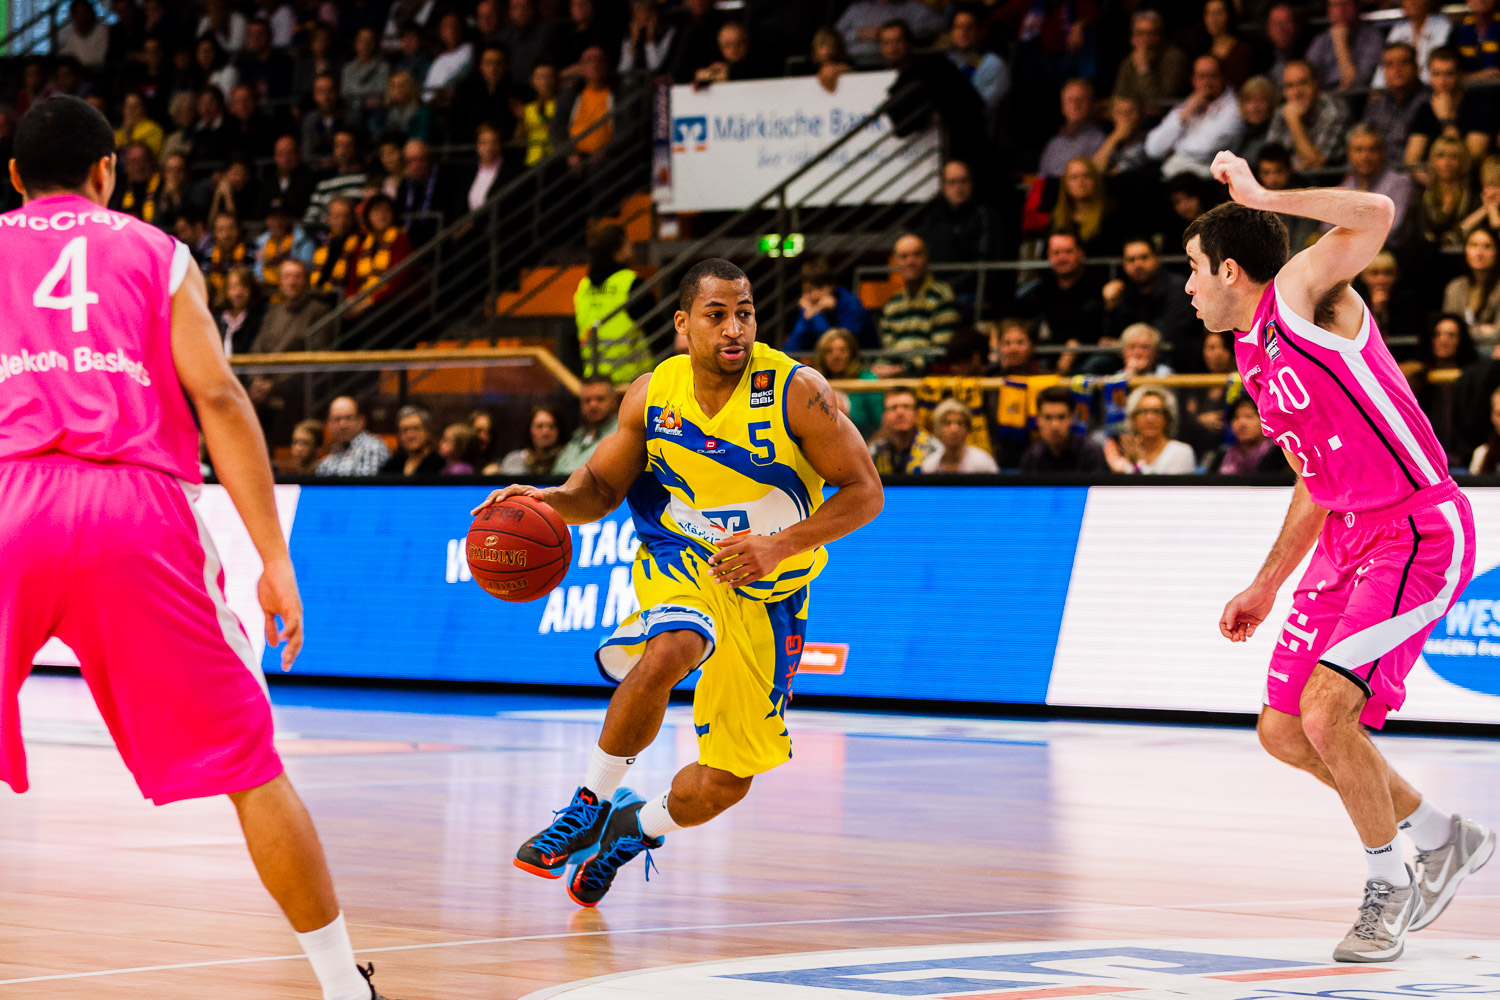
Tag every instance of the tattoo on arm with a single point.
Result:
(820, 399)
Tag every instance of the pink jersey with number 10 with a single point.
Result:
(86, 363)
(1342, 406)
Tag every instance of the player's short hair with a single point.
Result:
(58, 141)
(1055, 394)
(714, 267)
(1257, 241)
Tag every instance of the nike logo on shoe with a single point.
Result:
(1432, 884)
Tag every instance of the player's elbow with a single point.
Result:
(1385, 212)
(219, 395)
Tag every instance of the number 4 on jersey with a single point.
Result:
(73, 261)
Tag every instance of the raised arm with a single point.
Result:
(837, 452)
(600, 486)
(1317, 279)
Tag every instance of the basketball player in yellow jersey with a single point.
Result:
(723, 455)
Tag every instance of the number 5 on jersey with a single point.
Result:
(72, 262)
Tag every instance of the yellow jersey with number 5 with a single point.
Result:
(741, 470)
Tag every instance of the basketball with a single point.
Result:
(518, 549)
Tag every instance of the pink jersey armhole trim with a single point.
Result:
(182, 259)
(1313, 333)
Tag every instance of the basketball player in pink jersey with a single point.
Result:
(106, 341)
(1394, 536)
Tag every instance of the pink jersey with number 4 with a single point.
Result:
(86, 365)
(1342, 406)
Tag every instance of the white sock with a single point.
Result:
(1387, 863)
(656, 818)
(606, 773)
(1429, 827)
(332, 958)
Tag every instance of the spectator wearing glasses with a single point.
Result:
(1148, 446)
(1422, 31)
(417, 454)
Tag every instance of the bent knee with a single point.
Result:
(1283, 738)
(725, 789)
(672, 655)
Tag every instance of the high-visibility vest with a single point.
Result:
(622, 346)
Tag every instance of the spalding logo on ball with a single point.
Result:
(518, 549)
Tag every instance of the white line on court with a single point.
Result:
(699, 927)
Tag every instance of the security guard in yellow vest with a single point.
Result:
(622, 352)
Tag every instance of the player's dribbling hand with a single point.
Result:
(1245, 611)
(279, 598)
(1236, 173)
(745, 558)
(506, 494)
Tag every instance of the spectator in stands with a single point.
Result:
(536, 129)
(1079, 134)
(583, 111)
(598, 407)
(924, 313)
(135, 192)
(1140, 344)
(1203, 428)
(1309, 123)
(283, 240)
(525, 38)
(383, 247)
(1258, 98)
(136, 127)
(1450, 110)
(837, 357)
(307, 439)
(1187, 198)
(1124, 149)
(456, 448)
(583, 29)
(151, 77)
(288, 181)
(347, 181)
(83, 37)
(210, 143)
(389, 153)
(1191, 134)
(648, 43)
(1156, 72)
(1283, 41)
(1084, 209)
(735, 62)
(824, 307)
(211, 68)
(862, 20)
(950, 422)
(1368, 172)
(1252, 453)
(1421, 31)
(1475, 295)
(265, 69)
(67, 78)
(1446, 343)
(1487, 212)
(365, 77)
(1057, 448)
(411, 56)
(1390, 306)
(1012, 348)
(174, 196)
(228, 252)
(829, 58)
(492, 172)
(317, 61)
(1487, 455)
(404, 111)
(1345, 56)
(1218, 39)
(699, 45)
(540, 457)
(333, 260)
(1477, 39)
(248, 129)
(926, 84)
(224, 24)
(416, 453)
(1273, 168)
(191, 228)
(236, 192)
(322, 123)
(487, 97)
(34, 85)
(1065, 300)
(900, 446)
(242, 312)
(1394, 107)
(355, 451)
(453, 63)
(288, 322)
(986, 71)
(956, 226)
(183, 112)
(1148, 447)
(1447, 201)
(610, 339)
(483, 426)
(423, 201)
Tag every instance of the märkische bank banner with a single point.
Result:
(733, 142)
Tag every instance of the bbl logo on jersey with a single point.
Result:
(762, 390)
(1272, 343)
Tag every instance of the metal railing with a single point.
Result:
(42, 25)
(865, 225)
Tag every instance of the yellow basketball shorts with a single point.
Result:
(754, 647)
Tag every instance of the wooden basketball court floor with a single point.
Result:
(885, 830)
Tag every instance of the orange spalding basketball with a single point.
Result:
(519, 549)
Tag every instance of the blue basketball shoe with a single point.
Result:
(573, 835)
(622, 840)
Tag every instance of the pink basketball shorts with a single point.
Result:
(114, 561)
(1378, 583)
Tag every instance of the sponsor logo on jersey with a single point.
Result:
(712, 447)
(668, 422)
(1272, 342)
(762, 389)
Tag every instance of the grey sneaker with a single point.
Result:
(1440, 870)
(1379, 934)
